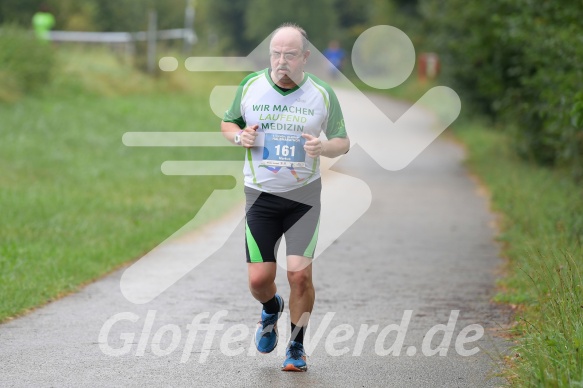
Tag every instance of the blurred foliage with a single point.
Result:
(26, 64)
(519, 62)
(18, 11)
(516, 61)
(263, 16)
(234, 27)
(96, 15)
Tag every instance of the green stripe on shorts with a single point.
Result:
(254, 252)
(309, 252)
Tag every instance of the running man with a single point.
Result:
(278, 115)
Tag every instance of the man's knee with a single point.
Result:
(257, 282)
(261, 275)
(301, 280)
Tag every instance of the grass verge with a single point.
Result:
(75, 202)
(542, 234)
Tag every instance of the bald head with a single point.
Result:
(290, 32)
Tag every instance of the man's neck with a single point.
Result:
(282, 88)
(285, 85)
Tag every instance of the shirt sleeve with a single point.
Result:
(233, 114)
(335, 126)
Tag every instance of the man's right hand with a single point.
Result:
(249, 135)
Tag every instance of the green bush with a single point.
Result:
(26, 64)
(518, 61)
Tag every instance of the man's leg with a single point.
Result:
(262, 286)
(302, 293)
(301, 302)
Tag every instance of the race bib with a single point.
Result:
(285, 150)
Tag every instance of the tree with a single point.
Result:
(263, 16)
(18, 11)
(520, 62)
(227, 22)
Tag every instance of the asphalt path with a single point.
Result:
(422, 254)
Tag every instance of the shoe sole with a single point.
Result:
(293, 368)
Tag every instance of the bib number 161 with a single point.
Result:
(285, 150)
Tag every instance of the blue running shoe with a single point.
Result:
(295, 358)
(266, 334)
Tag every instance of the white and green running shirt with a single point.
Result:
(278, 161)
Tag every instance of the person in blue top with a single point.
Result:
(335, 54)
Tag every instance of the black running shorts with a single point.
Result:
(269, 216)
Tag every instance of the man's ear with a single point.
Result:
(306, 55)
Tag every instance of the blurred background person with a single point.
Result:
(42, 22)
(335, 54)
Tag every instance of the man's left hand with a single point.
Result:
(313, 146)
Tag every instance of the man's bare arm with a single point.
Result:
(335, 147)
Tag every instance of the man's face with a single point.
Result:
(287, 57)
